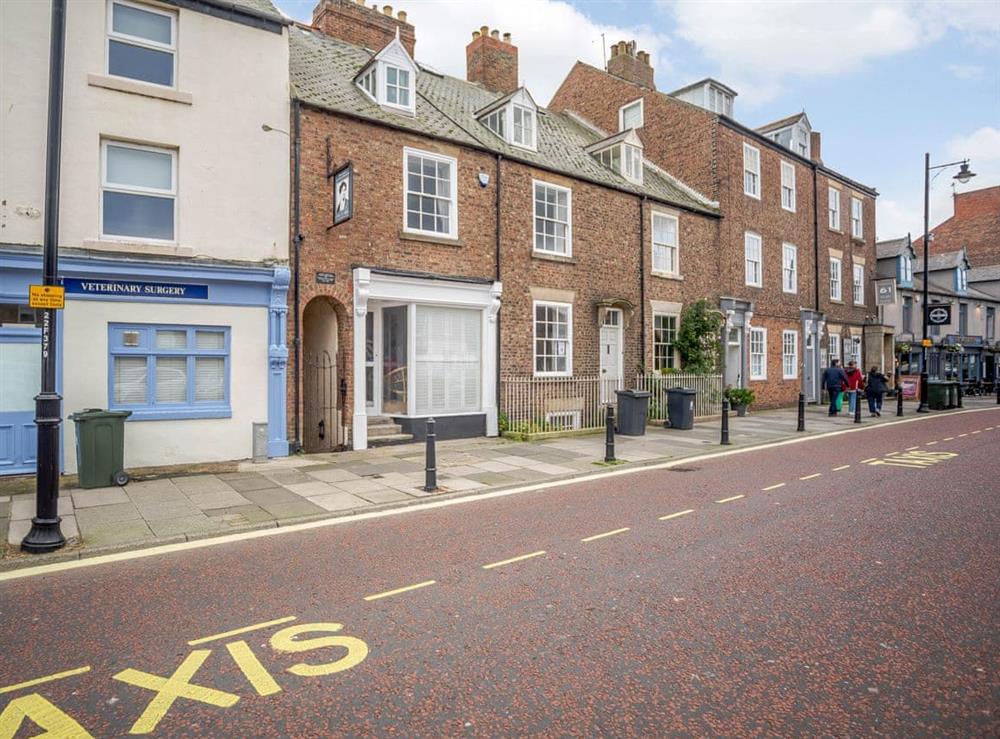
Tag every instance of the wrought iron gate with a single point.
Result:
(322, 420)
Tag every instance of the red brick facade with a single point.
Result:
(975, 225)
(492, 61)
(354, 23)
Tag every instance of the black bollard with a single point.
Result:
(430, 465)
(997, 381)
(609, 435)
(802, 413)
(899, 401)
(959, 395)
(857, 407)
(725, 422)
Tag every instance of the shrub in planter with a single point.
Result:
(740, 398)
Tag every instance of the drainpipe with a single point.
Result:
(815, 242)
(642, 282)
(297, 251)
(497, 258)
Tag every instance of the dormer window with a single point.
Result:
(388, 78)
(905, 269)
(719, 101)
(621, 153)
(513, 118)
(961, 279)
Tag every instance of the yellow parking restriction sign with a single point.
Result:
(46, 296)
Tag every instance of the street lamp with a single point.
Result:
(963, 176)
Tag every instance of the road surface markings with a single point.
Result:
(812, 476)
(948, 438)
(727, 500)
(988, 428)
(255, 673)
(244, 630)
(842, 467)
(911, 448)
(977, 432)
(914, 460)
(46, 679)
(595, 537)
(676, 515)
(773, 487)
(931, 443)
(503, 562)
(870, 459)
(397, 591)
(961, 435)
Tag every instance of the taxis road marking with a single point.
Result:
(727, 500)
(812, 476)
(397, 591)
(46, 679)
(842, 467)
(676, 515)
(503, 562)
(244, 630)
(595, 537)
(256, 674)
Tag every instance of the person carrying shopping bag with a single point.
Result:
(875, 390)
(834, 379)
(855, 383)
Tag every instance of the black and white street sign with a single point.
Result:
(939, 315)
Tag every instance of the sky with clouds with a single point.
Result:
(883, 81)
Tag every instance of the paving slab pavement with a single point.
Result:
(148, 512)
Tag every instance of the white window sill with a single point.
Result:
(136, 87)
(750, 284)
(139, 247)
(837, 301)
(430, 238)
(552, 374)
(758, 379)
(552, 256)
(751, 195)
(667, 275)
(788, 210)
(835, 230)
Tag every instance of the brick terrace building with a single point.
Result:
(796, 249)
(975, 226)
(467, 196)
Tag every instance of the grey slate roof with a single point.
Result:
(937, 262)
(322, 70)
(891, 247)
(257, 7)
(780, 123)
(985, 274)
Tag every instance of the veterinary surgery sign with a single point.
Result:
(133, 289)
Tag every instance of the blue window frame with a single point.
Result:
(169, 371)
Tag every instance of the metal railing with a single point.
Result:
(532, 405)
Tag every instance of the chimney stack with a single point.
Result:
(626, 63)
(814, 147)
(351, 21)
(491, 61)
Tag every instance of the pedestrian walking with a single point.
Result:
(875, 390)
(855, 383)
(834, 380)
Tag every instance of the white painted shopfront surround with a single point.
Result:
(432, 349)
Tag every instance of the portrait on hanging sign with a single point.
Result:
(343, 194)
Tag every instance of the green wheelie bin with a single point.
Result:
(937, 395)
(100, 447)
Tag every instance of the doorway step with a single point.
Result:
(382, 431)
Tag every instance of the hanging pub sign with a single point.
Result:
(885, 291)
(939, 314)
(343, 194)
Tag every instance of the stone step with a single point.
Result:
(389, 439)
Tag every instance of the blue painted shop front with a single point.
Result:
(91, 278)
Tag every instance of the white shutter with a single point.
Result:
(171, 379)
(130, 381)
(209, 378)
(447, 362)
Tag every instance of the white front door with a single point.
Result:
(611, 354)
(734, 356)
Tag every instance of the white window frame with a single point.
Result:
(369, 83)
(535, 184)
(858, 284)
(788, 186)
(534, 338)
(835, 340)
(525, 110)
(833, 209)
(752, 152)
(748, 237)
(838, 294)
(762, 333)
(674, 359)
(962, 281)
(111, 34)
(906, 269)
(632, 155)
(793, 356)
(675, 247)
(136, 190)
(383, 81)
(857, 219)
(793, 277)
(453, 221)
(642, 113)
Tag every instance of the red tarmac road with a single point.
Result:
(861, 601)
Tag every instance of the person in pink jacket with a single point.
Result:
(855, 382)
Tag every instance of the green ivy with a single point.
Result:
(698, 338)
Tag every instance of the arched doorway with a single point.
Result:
(321, 427)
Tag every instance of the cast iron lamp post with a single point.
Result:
(963, 176)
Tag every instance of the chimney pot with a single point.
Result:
(506, 38)
(475, 35)
(484, 30)
(387, 10)
(495, 34)
(402, 16)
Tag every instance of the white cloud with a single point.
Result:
(753, 41)
(551, 36)
(966, 71)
